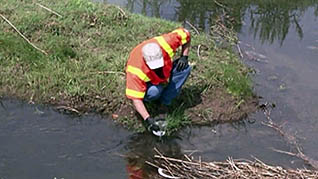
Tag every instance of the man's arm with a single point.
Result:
(141, 109)
(148, 122)
(185, 49)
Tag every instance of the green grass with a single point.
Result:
(177, 119)
(84, 45)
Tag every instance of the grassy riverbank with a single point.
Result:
(81, 55)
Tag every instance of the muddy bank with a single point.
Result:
(213, 106)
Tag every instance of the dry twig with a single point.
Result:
(230, 169)
(219, 4)
(198, 51)
(28, 41)
(112, 72)
(121, 11)
(239, 50)
(108, 72)
(49, 10)
(68, 109)
(193, 27)
(289, 138)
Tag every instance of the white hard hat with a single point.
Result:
(153, 55)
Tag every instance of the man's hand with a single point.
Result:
(182, 63)
(156, 126)
(150, 124)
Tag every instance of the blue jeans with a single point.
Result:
(168, 92)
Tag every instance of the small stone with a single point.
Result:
(115, 116)
(273, 78)
(282, 87)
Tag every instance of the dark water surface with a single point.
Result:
(38, 142)
(279, 39)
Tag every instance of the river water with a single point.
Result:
(279, 40)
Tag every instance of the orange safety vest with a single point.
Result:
(137, 71)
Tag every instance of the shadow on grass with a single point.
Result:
(188, 98)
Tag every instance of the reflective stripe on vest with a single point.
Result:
(182, 34)
(135, 94)
(136, 71)
(165, 46)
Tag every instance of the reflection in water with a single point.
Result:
(147, 7)
(140, 148)
(271, 19)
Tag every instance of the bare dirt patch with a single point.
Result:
(219, 106)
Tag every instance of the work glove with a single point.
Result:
(150, 124)
(182, 63)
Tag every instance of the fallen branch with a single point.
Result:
(28, 41)
(193, 27)
(49, 10)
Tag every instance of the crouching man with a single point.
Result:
(152, 74)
